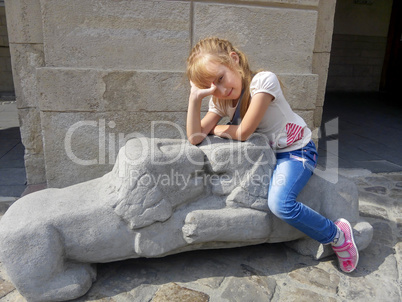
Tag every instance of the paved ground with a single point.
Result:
(368, 136)
(12, 169)
(369, 132)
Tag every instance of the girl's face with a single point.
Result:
(228, 82)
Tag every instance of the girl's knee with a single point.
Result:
(276, 206)
(283, 208)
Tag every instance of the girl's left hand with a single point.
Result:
(198, 93)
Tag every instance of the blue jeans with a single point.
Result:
(292, 171)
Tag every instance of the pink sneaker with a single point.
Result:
(347, 263)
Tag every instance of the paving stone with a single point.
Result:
(316, 277)
(396, 193)
(14, 158)
(399, 229)
(394, 176)
(5, 287)
(7, 144)
(380, 285)
(377, 190)
(304, 295)
(372, 211)
(377, 166)
(361, 182)
(174, 292)
(12, 176)
(383, 233)
(11, 190)
(379, 180)
(13, 296)
(7, 199)
(354, 173)
(248, 289)
(368, 197)
(10, 133)
(9, 115)
(398, 256)
(4, 207)
(213, 282)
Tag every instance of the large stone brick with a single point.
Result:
(25, 59)
(30, 127)
(83, 145)
(320, 67)
(31, 136)
(288, 2)
(35, 168)
(325, 26)
(318, 116)
(125, 35)
(300, 90)
(308, 116)
(277, 39)
(24, 21)
(67, 89)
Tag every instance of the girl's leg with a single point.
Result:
(290, 176)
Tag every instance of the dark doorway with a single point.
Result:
(391, 78)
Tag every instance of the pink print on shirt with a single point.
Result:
(294, 132)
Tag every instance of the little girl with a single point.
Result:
(216, 68)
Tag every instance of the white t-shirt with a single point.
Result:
(285, 130)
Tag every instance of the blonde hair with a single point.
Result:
(218, 51)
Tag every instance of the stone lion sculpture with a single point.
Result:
(163, 196)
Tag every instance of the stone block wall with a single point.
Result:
(6, 77)
(359, 45)
(90, 74)
(356, 63)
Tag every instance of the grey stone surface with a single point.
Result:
(308, 116)
(69, 89)
(31, 137)
(162, 197)
(299, 88)
(128, 35)
(172, 291)
(127, 105)
(89, 90)
(90, 141)
(285, 39)
(320, 67)
(25, 59)
(23, 27)
(325, 26)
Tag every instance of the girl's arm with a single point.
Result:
(198, 129)
(250, 122)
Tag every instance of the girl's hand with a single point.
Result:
(198, 129)
(198, 94)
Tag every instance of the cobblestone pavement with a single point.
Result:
(267, 272)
